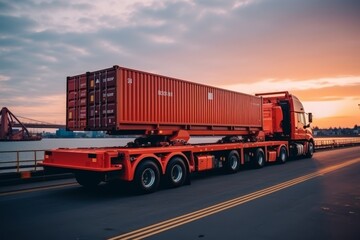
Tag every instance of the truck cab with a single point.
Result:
(285, 119)
(300, 122)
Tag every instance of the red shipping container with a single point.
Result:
(127, 101)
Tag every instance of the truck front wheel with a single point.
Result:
(310, 149)
(88, 179)
(147, 177)
(176, 172)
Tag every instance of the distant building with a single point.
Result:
(94, 134)
(356, 130)
(62, 133)
(336, 131)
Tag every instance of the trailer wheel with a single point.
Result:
(88, 179)
(310, 149)
(232, 164)
(147, 177)
(282, 158)
(176, 172)
(259, 158)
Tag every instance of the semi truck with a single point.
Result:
(162, 113)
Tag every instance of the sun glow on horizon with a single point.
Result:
(275, 85)
(330, 108)
(323, 109)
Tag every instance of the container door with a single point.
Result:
(76, 103)
(102, 99)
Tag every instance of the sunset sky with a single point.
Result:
(308, 47)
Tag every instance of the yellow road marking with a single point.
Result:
(193, 216)
(37, 189)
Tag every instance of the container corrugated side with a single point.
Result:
(164, 102)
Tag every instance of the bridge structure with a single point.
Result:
(33, 123)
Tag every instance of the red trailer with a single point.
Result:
(257, 129)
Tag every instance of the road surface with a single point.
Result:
(315, 198)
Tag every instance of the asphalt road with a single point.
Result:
(315, 198)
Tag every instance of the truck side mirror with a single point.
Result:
(310, 117)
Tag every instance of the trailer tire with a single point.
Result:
(88, 179)
(147, 177)
(232, 163)
(259, 158)
(282, 158)
(310, 149)
(176, 172)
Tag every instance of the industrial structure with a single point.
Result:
(11, 129)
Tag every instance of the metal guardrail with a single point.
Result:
(27, 160)
(336, 143)
(20, 161)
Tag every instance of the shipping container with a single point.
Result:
(126, 101)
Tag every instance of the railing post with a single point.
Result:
(17, 161)
(35, 159)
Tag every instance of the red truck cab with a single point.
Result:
(285, 119)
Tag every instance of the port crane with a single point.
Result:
(11, 128)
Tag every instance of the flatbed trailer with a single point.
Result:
(146, 166)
